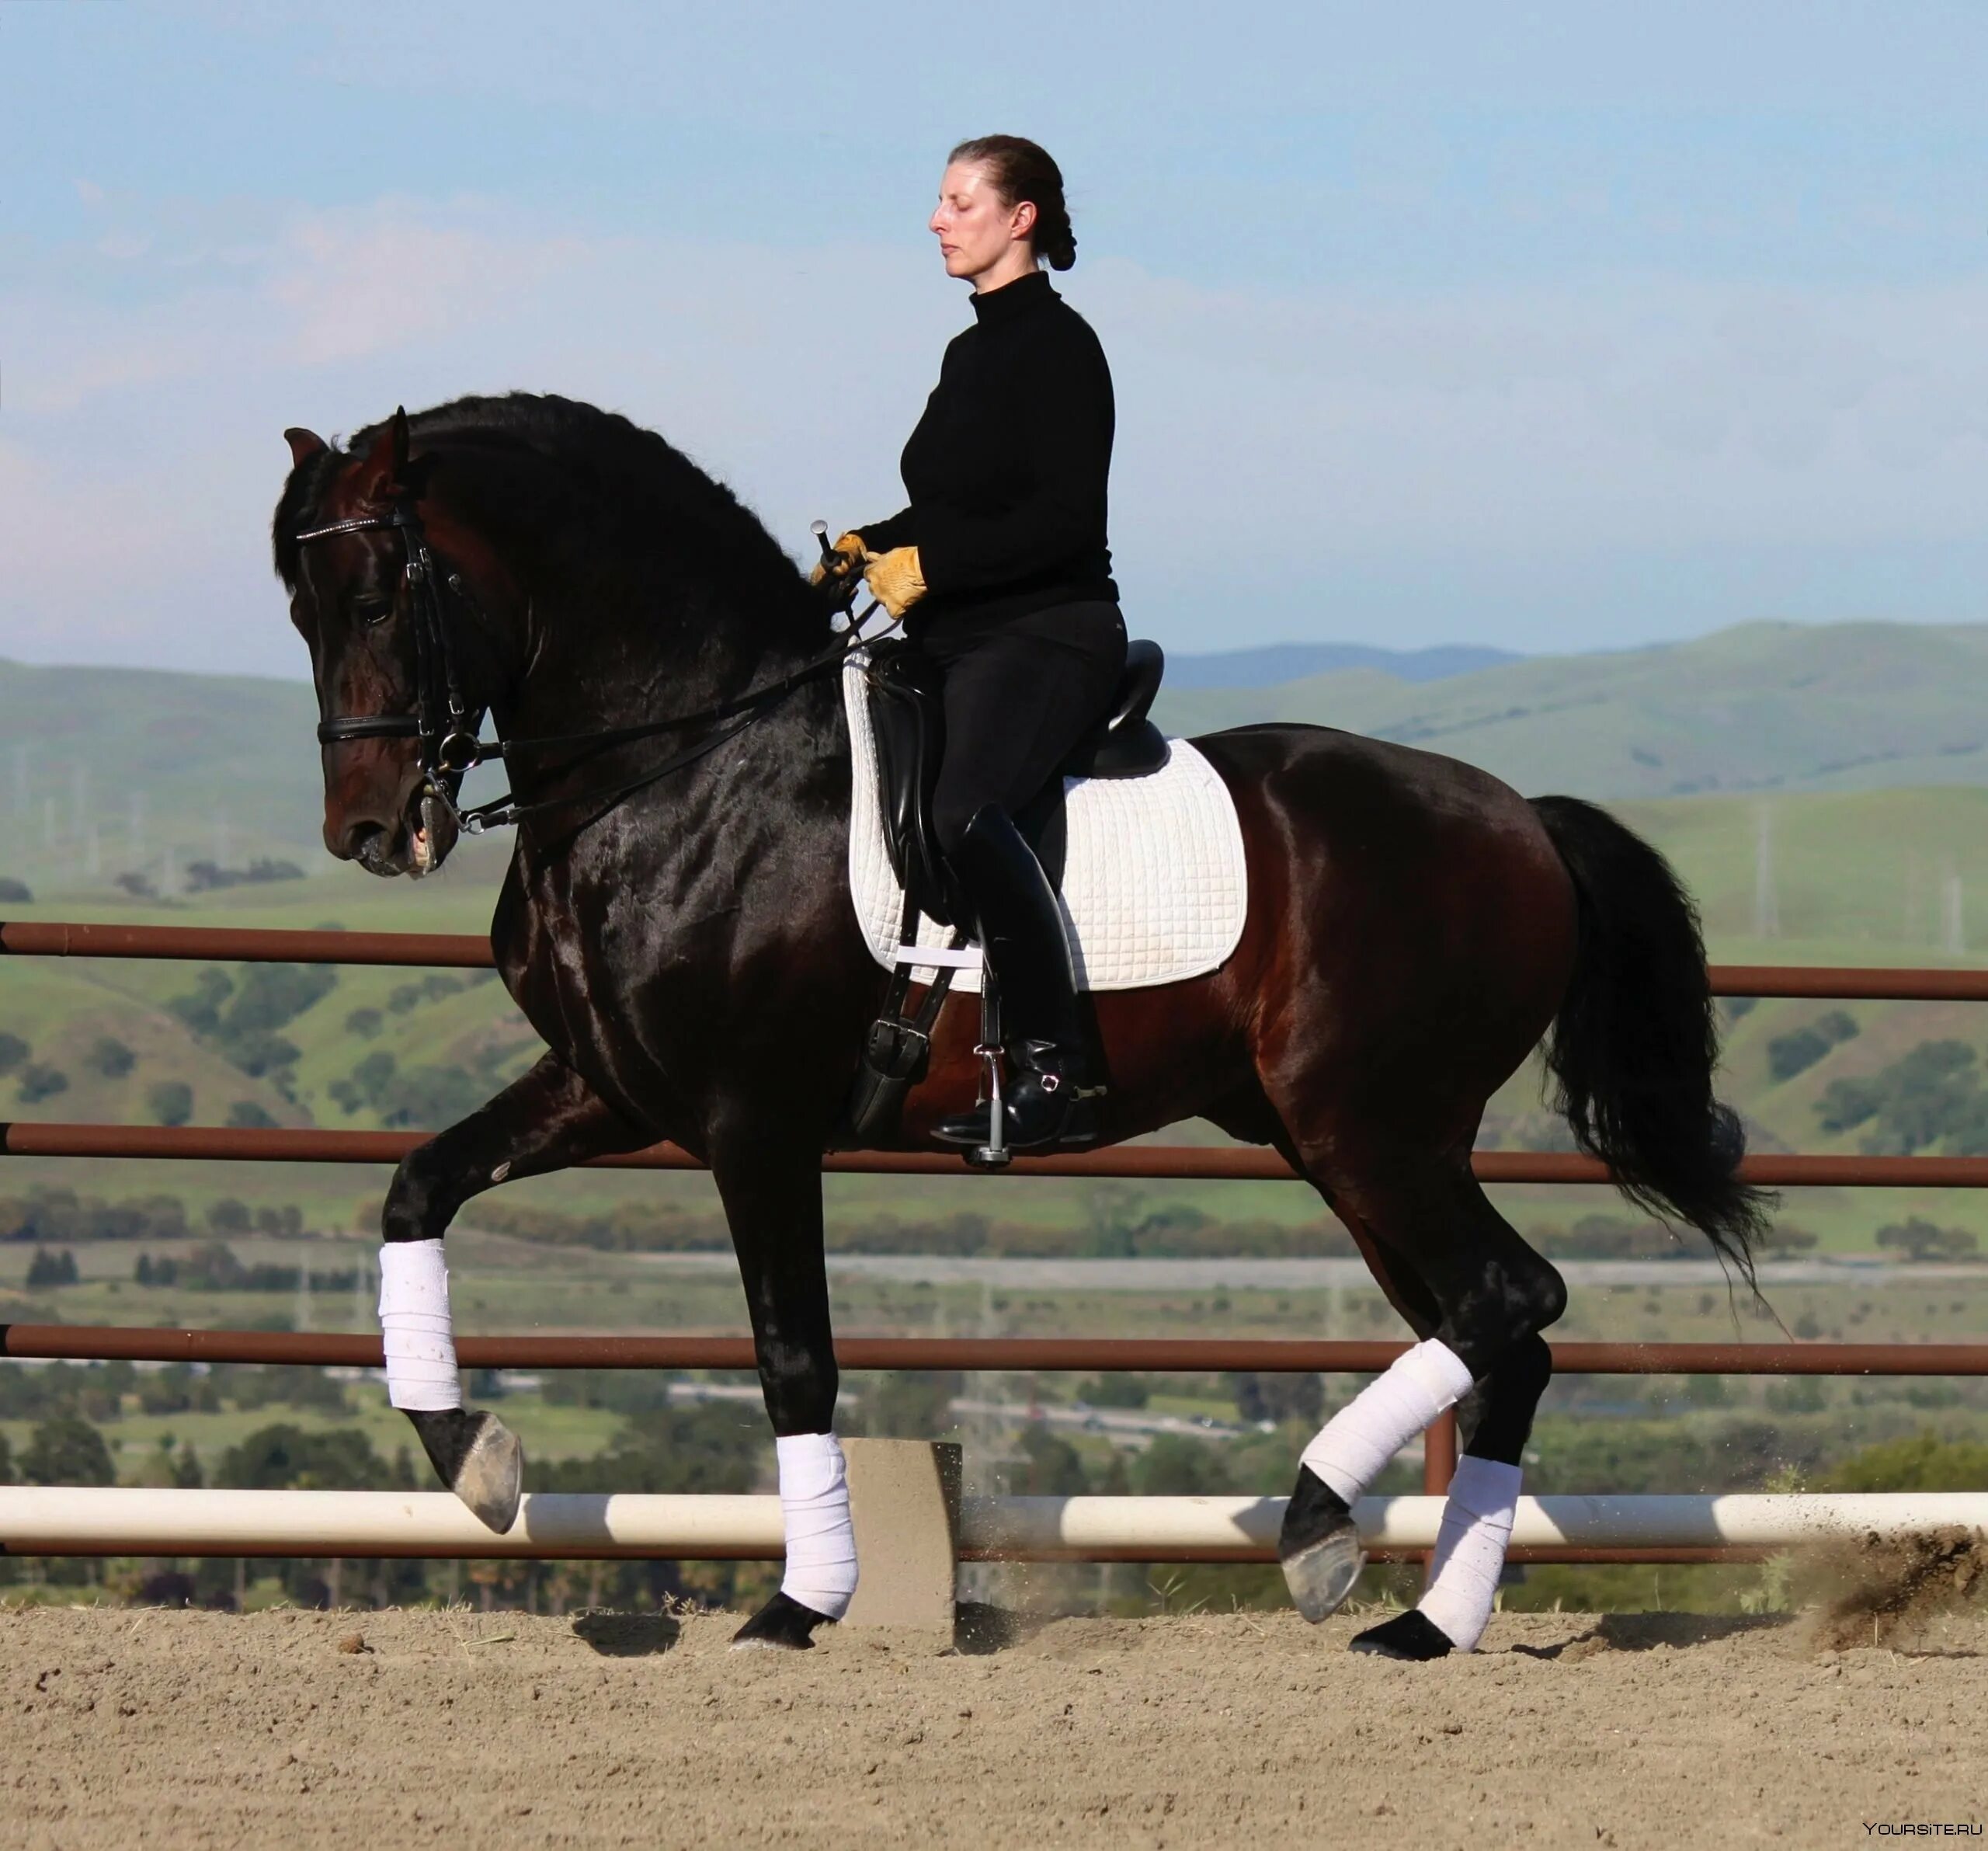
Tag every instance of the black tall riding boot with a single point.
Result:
(1022, 936)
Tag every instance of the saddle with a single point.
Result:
(909, 720)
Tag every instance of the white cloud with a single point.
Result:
(1514, 442)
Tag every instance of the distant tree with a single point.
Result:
(1280, 1397)
(108, 1056)
(364, 1023)
(1919, 1239)
(14, 893)
(1117, 1391)
(1176, 1466)
(286, 1457)
(200, 1007)
(1789, 1055)
(47, 1268)
(288, 1385)
(186, 1473)
(39, 1080)
(261, 1053)
(170, 1101)
(137, 885)
(1049, 1465)
(1923, 1463)
(230, 1216)
(245, 1114)
(67, 1450)
(6, 1461)
(13, 1051)
(716, 1447)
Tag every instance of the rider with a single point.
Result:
(1002, 561)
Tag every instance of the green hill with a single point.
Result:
(1765, 707)
(134, 773)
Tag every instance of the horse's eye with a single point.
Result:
(371, 612)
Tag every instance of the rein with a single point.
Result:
(447, 729)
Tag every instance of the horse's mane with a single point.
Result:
(626, 490)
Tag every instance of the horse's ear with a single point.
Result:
(382, 477)
(304, 444)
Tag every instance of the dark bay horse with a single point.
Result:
(688, 949)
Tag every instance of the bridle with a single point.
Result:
(446, 726)
(441, 720)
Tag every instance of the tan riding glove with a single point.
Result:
(896, 580)
(850, 556)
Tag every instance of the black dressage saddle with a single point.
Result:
(907, 720)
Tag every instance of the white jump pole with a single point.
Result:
(1245, 1529)
(55, 1520)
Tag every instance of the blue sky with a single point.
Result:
(1557, 326)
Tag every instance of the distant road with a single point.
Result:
(1302, 1275)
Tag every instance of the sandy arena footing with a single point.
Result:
(171, 1729)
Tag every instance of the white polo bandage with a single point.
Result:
(1353, 1447)
(820, 1540)
(419, 1335)
(1470, 1549)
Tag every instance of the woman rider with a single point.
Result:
(1000, 569)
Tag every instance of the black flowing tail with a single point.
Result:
(1633, 1048)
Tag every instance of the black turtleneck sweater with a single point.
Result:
(1007, 469)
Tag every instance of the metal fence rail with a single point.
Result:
(1011, 1355)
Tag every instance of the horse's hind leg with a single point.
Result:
(1481, 1298)
(548, 1119)
(1496, 1418)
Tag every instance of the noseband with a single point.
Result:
(447, 727)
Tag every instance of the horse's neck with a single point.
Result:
(786, 775)
(581, 679)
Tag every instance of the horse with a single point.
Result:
(677, 926)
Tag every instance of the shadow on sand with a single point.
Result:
(628, 1635)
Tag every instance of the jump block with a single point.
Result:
(903, 1499)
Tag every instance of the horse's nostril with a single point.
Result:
(365, 843)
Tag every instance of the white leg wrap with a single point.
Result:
(415, 1322)
(820, 1541)
(1470, 1549)
(1352, 1446)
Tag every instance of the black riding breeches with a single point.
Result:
(1019, 701)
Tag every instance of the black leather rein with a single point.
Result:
(447, 728)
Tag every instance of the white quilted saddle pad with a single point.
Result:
(1154, 886)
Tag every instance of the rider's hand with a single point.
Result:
(896, 580)
(849, 557)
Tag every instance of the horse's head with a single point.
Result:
(389, 650)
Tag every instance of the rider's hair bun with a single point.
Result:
(1022, 170)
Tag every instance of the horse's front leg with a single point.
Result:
(548, 1120)
(772, 1201)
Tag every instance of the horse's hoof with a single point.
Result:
(1413, 1637)
(478, 1458)
(1320, 1548)
(781, 1625)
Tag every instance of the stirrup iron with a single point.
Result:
(995, 1153)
